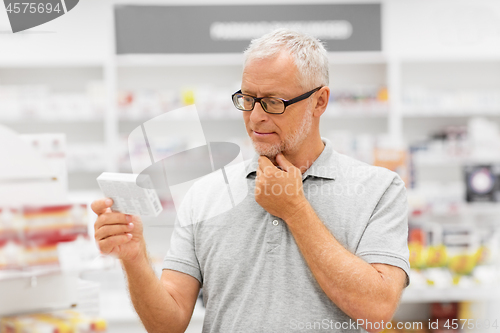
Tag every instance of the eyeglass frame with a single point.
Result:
(286, 102)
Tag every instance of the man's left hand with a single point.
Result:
(279, 192)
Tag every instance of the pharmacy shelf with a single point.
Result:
(29, 272)
(429, 112)
(344, 113)
(461, 212)
(232, 59)
(38, 291)
(451, 161)
(76, 132)
(56, 96)
(357, 58)
(449, 57)
(354, 113)
(51, 63)
(163, 60)
(451, 294)
(50, 122)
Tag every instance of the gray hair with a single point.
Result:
(308, 53)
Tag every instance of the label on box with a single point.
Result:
(128, 197)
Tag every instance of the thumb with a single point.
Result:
(102, 205)
(283, 162)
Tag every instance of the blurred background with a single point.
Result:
(415, 88)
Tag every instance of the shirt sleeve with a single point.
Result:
(181, 255)
(385, 239)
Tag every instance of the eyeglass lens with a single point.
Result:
(270, 105)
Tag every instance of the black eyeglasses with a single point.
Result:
(271, 105)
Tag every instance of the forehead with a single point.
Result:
(270, 75)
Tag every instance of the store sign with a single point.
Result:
(228, 29)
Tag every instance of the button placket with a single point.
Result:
(274, 233)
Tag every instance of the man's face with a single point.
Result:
(275, 133)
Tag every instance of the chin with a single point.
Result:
(266, 149)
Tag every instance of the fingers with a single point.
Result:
(266, 167)
(113, 230)
(107, 231)
(287, 166)
(101, 206)
(265, 164)
(264, 160)
(110, 244)
(112, 218)
(283, 162)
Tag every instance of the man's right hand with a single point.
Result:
(116, 233)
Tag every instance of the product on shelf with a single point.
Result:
(11, 238)
(86, 157)
(143, 104)
(393, 159)
(437, 256)
(416, 247)
(35, 170)
(359, 100)
(474, 144)
(475, 317)
(188, 96)
(445, 255)
(29, 235)
(360, 146)
(483, 183)
(457, 166)
(443, 316)
(38, 102)
(419, 100)
(379, 150)
(66, 321)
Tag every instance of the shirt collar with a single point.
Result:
(323, 167)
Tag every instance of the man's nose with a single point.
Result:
(258, 114)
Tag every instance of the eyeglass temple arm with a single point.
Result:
(299, 98)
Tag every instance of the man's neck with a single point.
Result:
(306, 156)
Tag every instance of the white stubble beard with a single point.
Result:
(290, 143)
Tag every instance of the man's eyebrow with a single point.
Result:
(271, 94)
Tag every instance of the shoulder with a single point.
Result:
(353, 170)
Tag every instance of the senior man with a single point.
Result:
(319, 242)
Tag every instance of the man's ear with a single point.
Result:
(321, 101)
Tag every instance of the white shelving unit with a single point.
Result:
(436, 91)
(40, 290)
(56, 97)
(451, 294)
(413, 54)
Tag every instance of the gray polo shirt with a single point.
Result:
(253, 275)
